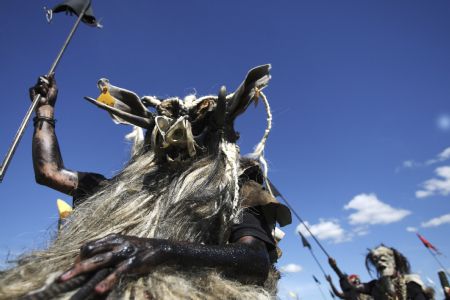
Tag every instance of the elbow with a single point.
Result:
(44, 177)
(58, 179)
(260, 266)
(264, 267)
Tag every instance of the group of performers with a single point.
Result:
(394, 280)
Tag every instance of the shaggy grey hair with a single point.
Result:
(195, 202)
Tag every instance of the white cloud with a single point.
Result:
(370, 210)
(291, 268)
(326, 230)
(443, 156)
(437, 221)
(436, 186)
(411, 229)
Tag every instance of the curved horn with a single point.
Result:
(256, 79)
(133, 119)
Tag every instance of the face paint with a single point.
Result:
(384, 260)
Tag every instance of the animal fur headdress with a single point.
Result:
(182, 185)
(401, 262)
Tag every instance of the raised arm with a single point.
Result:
(333, 265)
(246, 260)
(48, 164)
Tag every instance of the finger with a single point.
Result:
(87, 289)
(107, 284)
(32, 93)
(88, 265)
(98, 246)
(52, 80)
(42, 87)
(43, 80)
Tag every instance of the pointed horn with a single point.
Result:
(221, 111)
(135, 120)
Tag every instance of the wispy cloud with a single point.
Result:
(361, 230)
(370, 210)
(291, 268)
(411, 229)
(436, 186)
(441, 157)
(326, 230)
(444, 219)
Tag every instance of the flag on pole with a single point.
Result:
(427, 244)
(75, 7)
(316, 280)
(305, 242)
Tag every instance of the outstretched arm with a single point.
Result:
(247, 260)
(48, 164)
(334, 289)
(336, 269)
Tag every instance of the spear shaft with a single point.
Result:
(26, 119)
(272, 187)
(438, 261)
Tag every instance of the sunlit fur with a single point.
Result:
(192, 202)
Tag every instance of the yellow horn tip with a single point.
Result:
(64, 209)
(106, 98)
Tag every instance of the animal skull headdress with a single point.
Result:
(387, 261)
(178, 130)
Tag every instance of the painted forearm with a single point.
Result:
(248, 262)
(47, 161)
(338, 271)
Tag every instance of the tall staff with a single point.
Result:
(306, 244)
(318, 286)
(277, 193)
(83, 9)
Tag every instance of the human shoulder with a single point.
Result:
(88, 184)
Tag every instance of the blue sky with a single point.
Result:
(360, 97)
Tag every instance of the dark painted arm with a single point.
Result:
(415, 291)
(365, 288)
(334, 289)
(247, 260)
(48, 164)
(336, 269)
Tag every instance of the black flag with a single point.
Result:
(305, 241)
(275, 191)
(76, 7)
